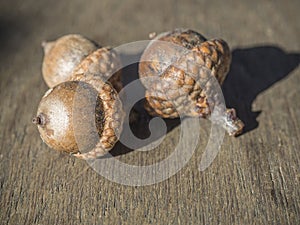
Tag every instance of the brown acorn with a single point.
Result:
(74, 53)
(83, 117)
(183, 60)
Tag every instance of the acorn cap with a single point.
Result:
(105, 63)
(114, 115)
(184, 61)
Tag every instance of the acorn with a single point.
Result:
(83, 117)
(184, 61)
(74, 53)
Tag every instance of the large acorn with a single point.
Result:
(83, 116)
(184, 61)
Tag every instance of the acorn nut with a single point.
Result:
(183, 60)
(72, 54)
(82, 117)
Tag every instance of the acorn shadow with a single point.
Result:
(254, 70)
(139, 118)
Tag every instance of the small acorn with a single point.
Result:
(183, 61)
(73, 53)
(83, 116)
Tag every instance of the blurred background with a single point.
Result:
(255, 177)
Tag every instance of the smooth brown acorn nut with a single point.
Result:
(73, 54)
(80, 117)
(62, 56)
(183, 60)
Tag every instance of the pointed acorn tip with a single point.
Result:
(152, 35)
(39, 120)
(46, 45)
(36, 120)
(43, 44)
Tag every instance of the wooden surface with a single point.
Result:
(255, 178)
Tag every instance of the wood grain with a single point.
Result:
(255, 178)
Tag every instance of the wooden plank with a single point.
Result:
(255, 178)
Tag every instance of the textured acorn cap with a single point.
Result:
(182, 58)
(184, 61)
(104, 63)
